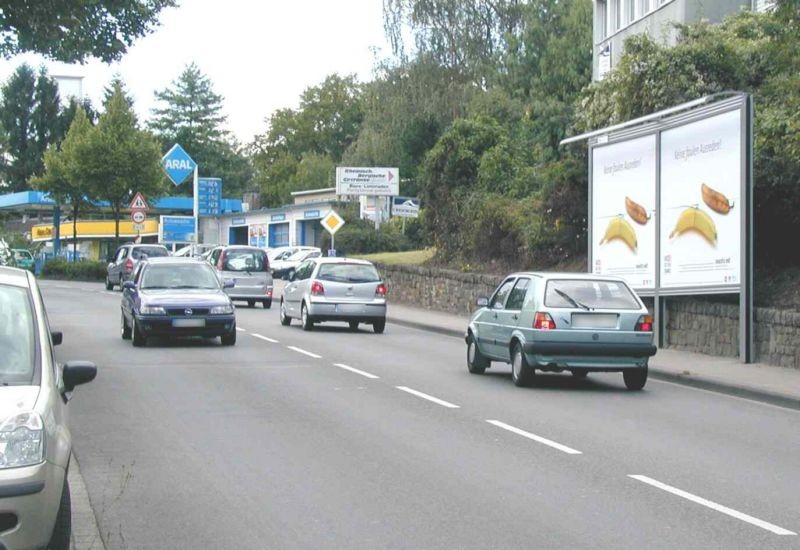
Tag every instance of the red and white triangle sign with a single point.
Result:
(138, 203)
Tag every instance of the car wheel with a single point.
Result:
(125, 330)
(580, 373)
(635, 378)
(379, 326)
(285, 319)
(476, 362)
(266, 304)
(109, 284)
(230, 338)
(139, 339)
(353, 325)
(251, 303)
(521, 372)
(308, 324)
(62, 531)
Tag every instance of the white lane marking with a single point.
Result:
(64, 286)
(713, 505)
(534, 437)
(240, 329)
(304, 352)
(265, 338)
(430, 398)
(351, 369)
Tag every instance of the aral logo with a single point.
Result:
(178, 164)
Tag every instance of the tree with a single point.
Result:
(45, 122)
(118, 159)
(72, 30)
(191, 114)
(64, 178)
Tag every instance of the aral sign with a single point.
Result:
(367, 181)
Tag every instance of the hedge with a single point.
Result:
(84, 270)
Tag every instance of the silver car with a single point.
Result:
(562, 321)
(335, 289)
(35, 441)
(248, 268)
(122, 263)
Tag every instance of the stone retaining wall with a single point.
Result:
(693, 323)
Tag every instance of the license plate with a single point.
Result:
(594, 320)
(349, 308)
(188, 323)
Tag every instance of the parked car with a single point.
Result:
(285, 268)
(125, 259)
(562, 321)
(23, 259)
(335, 289)
(176, 297)
(194, 250)
(283, 252)
(248, 268)
(35, 440)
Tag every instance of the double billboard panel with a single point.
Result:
(664, 206)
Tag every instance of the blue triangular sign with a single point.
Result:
(178, 164)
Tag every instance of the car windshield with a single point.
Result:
(284, 255)
(16, 337)
(149, 251)
(190, 275)
(298, 256)
(248, 260)
(589, 294)
(348, 273)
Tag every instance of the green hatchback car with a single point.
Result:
(559, 322)
(23, 259)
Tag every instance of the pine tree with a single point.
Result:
(16, 116)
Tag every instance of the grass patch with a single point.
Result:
(410, 257)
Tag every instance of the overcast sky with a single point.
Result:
(260, 54)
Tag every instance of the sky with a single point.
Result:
(259, 54)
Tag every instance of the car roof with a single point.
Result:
(240, 247)
(566, 275)
(14, 277)
(136, 245)
(334, 260)
(174, 260)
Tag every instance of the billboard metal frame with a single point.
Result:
(656, 124)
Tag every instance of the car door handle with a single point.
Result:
(515, 317)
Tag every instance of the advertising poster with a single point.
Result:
(253, 234)
(262, 236)
(701, 178)
(623, 207)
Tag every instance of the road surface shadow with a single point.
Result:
(596, 383)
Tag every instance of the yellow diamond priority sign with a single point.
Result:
(332, 222)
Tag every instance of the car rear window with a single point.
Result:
(149, 251)
(245, 260)
(16, 337)
(348, 273)
(586, 293)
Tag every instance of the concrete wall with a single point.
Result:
(693, 323)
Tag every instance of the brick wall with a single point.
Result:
(693, 323)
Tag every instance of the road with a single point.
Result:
(333, 439)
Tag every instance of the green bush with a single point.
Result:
(360, 237)
(85, 270)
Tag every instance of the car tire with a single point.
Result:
(285, 319)
(230, 338)
(266, 304)
(379, 326)
(521, 372)
(62, 530)
(251, 303)
(305, 318)
(580, 373)
(353, 325)
(109, 284)
(635, 378)
(476, 361)
(125, 330)
(139, 339)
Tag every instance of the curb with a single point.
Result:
(754, 394)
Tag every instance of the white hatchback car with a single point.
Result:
(35, 442)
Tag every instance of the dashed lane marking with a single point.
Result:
(265, 338)
(430, 398)
(304, 352)
(351, 369)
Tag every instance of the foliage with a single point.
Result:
(409, 257)
(72, 30)
(84, 270)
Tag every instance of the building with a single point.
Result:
(616, 20)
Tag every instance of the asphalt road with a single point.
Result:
(333, 439)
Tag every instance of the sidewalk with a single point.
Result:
(767, 383)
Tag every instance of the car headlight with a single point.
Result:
(222, 310)
(152, 310)
(21, 440)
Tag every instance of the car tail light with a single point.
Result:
(128, 265)
(317, 289)
(269, 293)
(221, 261)
(543, 321)
(381, 290)
(644, 324)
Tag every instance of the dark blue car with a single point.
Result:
(176, 297)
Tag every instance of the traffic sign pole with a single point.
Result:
(196, 207)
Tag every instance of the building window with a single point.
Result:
(600, 20)
(630, 11)
(644, 7)
(763, 5)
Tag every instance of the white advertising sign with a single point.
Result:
(623, 207)
(405, 207)
(367, 181)
(701, 178)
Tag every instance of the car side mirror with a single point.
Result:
(128, 285)
(76, 373)
(228, 283)
(482, 301)
(57, 337)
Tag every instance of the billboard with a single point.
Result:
(176, 229)
(623, 211)
(405, 207)
(209, 193)
(367, 181)
(701, 171)
(258, 235)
